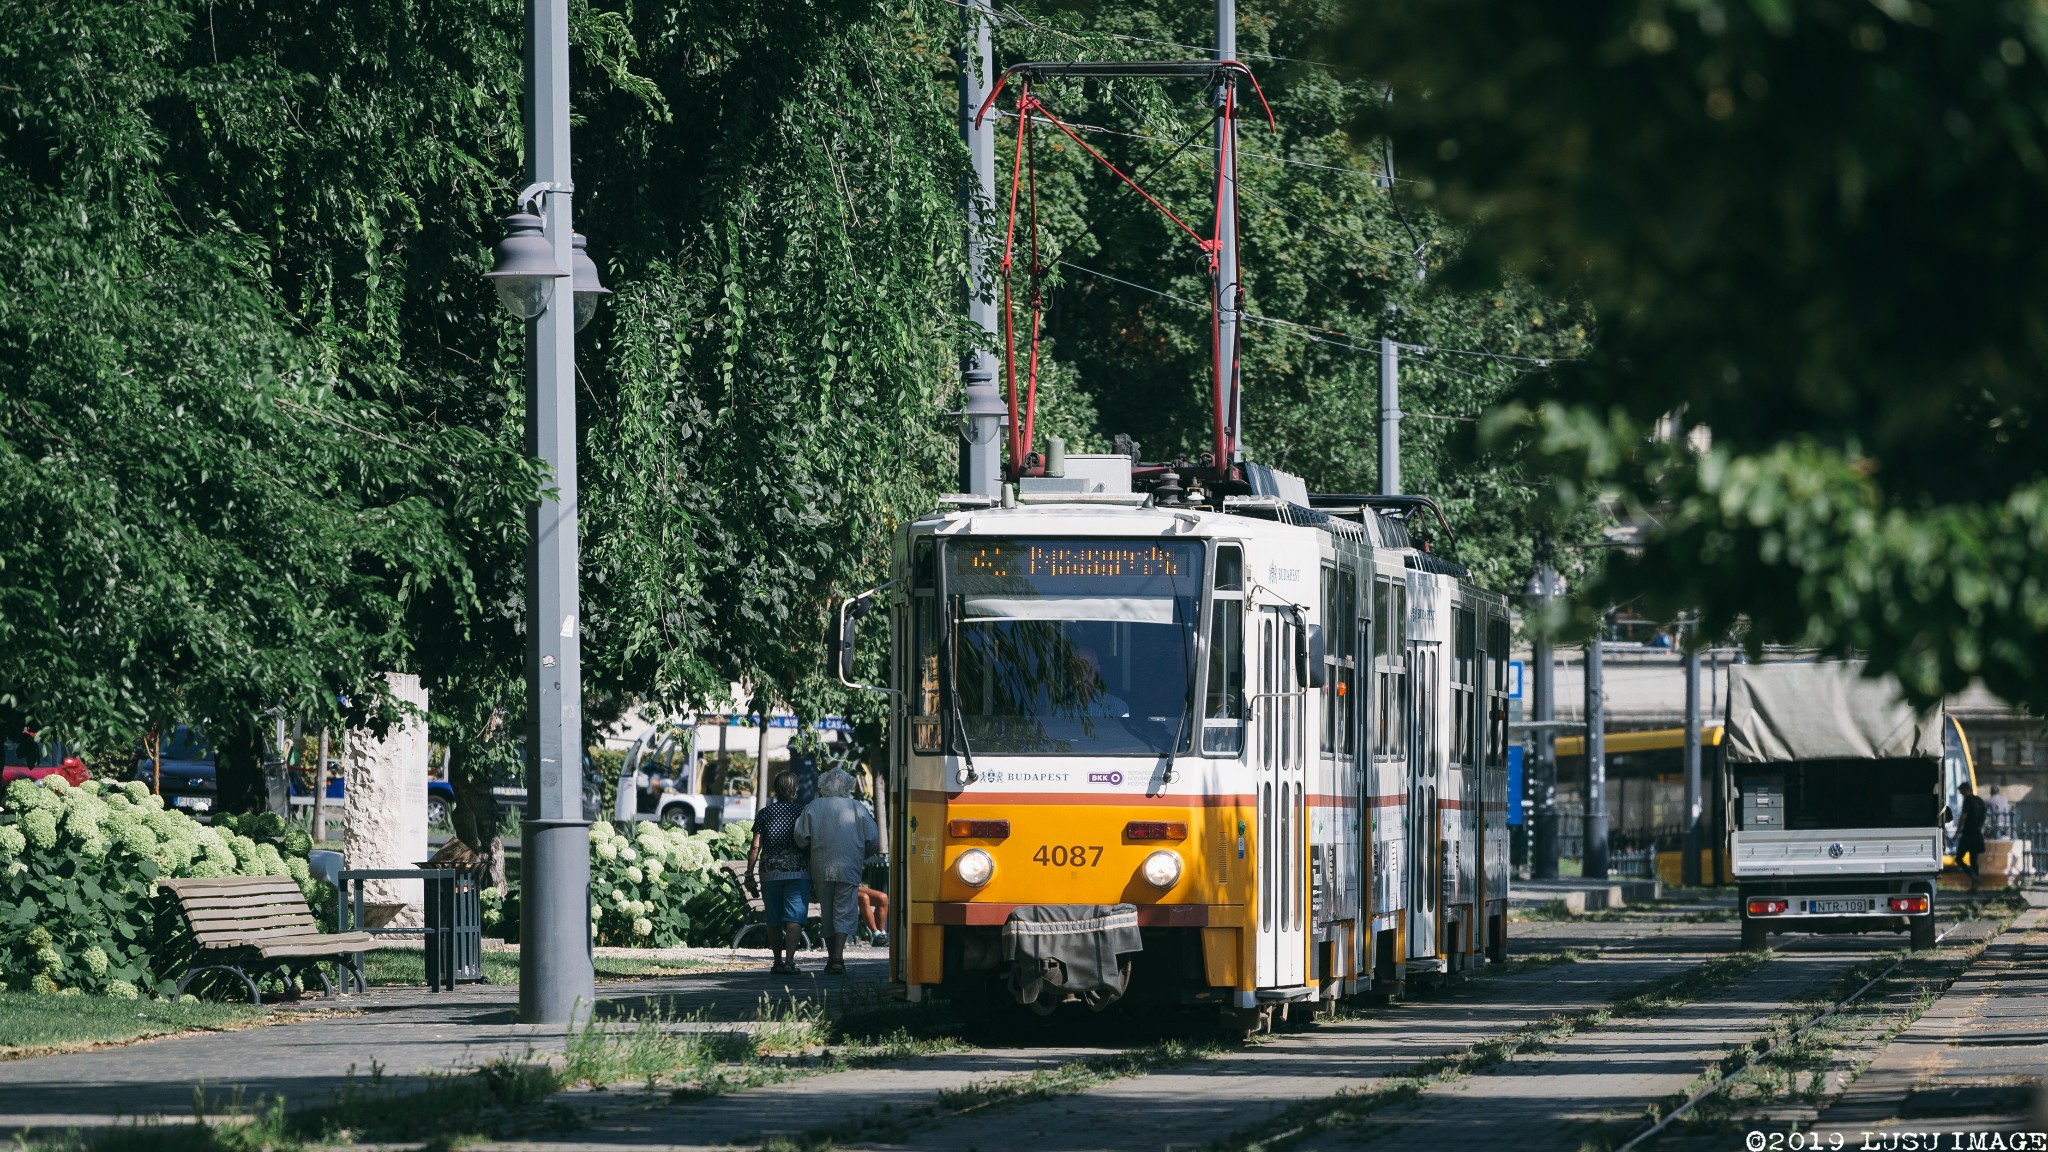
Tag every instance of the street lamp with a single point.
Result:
(523, 267)
(555, 977)
(523, 270)
(589, 290)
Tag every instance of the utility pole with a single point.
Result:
(1689, 874)
(1543, 687)
(320, 791)
(761, 761)
(1229, 293)
(1390, 415)
(1596, 764)
(981, 425)
(1390, 361)
(555, 976)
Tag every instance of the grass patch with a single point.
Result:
(1353, 1108)
(891, 1126)
(407, 968)
(35, 1024)
(501, 1099)
(506, 1098)
(786, 1040)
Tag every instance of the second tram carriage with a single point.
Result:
(1248, 753)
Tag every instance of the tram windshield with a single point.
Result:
(1073, 647)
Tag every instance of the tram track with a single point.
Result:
(1775, 1047)
(1603, 984)
(1514, 1083)
(1471, 1023)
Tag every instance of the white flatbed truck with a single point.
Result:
(1835, 791)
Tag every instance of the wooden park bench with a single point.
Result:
(256, 926)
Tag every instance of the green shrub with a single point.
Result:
(657, 888)
(732, 841)
(79, 904)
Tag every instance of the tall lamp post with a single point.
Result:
(539, 251)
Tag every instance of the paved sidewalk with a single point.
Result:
(407, 1033)
(1974, 1061)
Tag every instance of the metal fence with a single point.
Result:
(2036, 835)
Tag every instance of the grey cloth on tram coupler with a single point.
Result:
(1070, 949)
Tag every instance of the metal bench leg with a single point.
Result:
(255, 994)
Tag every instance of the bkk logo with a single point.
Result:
(1105, 777)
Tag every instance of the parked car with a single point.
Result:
(30, 757)
(188, 779)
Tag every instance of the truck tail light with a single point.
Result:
(1764, 907)
(1155, 830)
(1909, 904)
(978, 829)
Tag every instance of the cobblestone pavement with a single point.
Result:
(1974, 1061)
(408, 1033)
(1206, 1099)
(1959, 1063)
(1597, 1082)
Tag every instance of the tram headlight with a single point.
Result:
(1162, 869)
(974, 867)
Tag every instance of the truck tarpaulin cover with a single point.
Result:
(1789, 712)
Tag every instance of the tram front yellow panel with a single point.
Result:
(1083, 851)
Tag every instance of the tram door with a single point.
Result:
(1278, 749)
(1426, 863)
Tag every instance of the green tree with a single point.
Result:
(210, 508)
(1808, 227)
(1331, 262)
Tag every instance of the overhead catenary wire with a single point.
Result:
(1010, 12)
(1372, 174)
(1331, 336)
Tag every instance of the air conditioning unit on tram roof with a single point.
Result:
(1085, 474)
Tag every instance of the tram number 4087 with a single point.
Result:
(1068, 856)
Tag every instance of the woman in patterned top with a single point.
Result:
(785, 886)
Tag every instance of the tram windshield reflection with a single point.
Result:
(1074, 647)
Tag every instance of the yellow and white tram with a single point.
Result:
(1247, 753)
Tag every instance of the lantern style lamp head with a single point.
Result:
(589, 290)
(523, 267)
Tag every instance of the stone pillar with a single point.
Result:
(386, 800)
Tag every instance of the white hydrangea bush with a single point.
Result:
(657, 887)
(80, 908)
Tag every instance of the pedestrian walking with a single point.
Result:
(841, 833)
(1970, 833)
(784, 886)
(1998, 820)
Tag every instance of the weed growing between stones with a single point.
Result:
(1352, 1107)
(890, 1125)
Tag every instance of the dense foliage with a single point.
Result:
(214, 501)
(651, 886)
(79, 905)
(1810, 227)
(1331, 263)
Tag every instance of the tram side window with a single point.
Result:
(924, 718)
(1331, 639)
(1464, 678)
(1498, 702)
(1390, 659)
(1223, 709)
(1344, 632)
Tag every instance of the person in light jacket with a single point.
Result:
(841, 833)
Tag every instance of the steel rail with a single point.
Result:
(1787, 1040)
